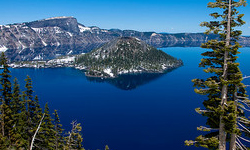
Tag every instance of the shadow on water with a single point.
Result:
(129, 81)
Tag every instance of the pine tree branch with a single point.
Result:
(74, 124)
(207, 89)
(243, 139)
(244, 122)
(243, 102)
(238, 140)
(202, 128)
(244, 119)
(33, 139)
(243, 107)
(245, 99)
(246, 77)
(190, 142)
(239, 145)
(199, 111)
(244, 128)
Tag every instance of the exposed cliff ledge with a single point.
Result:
(49, 38)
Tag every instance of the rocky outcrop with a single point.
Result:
(53, 37)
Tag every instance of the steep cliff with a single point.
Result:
(53, 37)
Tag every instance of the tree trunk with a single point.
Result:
(233, 135)
(222, 133)
(2, 123)
(233, 142)
(33, 139)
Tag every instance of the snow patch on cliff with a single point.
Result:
(37, 29)
(23, 46)
(39, 57)
(44, 43)
(105, 31)
(83, 29)
(63, 60)
(62, 17)
(3, 48)
(70, 34)
(154, 34)
(57, 30)
(70, 52)
(109, 72)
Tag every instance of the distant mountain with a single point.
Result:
(53, 37)
(125, 55)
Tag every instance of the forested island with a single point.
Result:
(125, 55)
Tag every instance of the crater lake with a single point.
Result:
(143, 112)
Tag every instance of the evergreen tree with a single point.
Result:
(74, 138)
(46, 136)
(106, 147)
(30, 104)
(5, 108)
(59, 140)
(16, 106)
(49, 129)
(23, 127)
(37, 111)
(224, 88)
(16, 102)
(30, 118)
(22, 123)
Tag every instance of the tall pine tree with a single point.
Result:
(74, 138)
(224, 90)
(16, 106)
(59, 139)
(30, 119)
(5, 108)
(45, 138)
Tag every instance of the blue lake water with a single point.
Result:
(157, 114)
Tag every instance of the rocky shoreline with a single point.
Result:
(70, 62)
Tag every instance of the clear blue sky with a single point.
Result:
(171, 16)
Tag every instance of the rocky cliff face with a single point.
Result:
(49, 38)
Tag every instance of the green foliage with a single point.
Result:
(106, 147)
(6, 98)
(224, 85)
(59, 139)
(209, 143)
(74, 138)
(21, 114)
(46, 140)
(126, 54)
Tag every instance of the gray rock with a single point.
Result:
(49, 38)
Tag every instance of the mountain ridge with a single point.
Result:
(58, 36)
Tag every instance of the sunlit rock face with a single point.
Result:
(49, 38)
